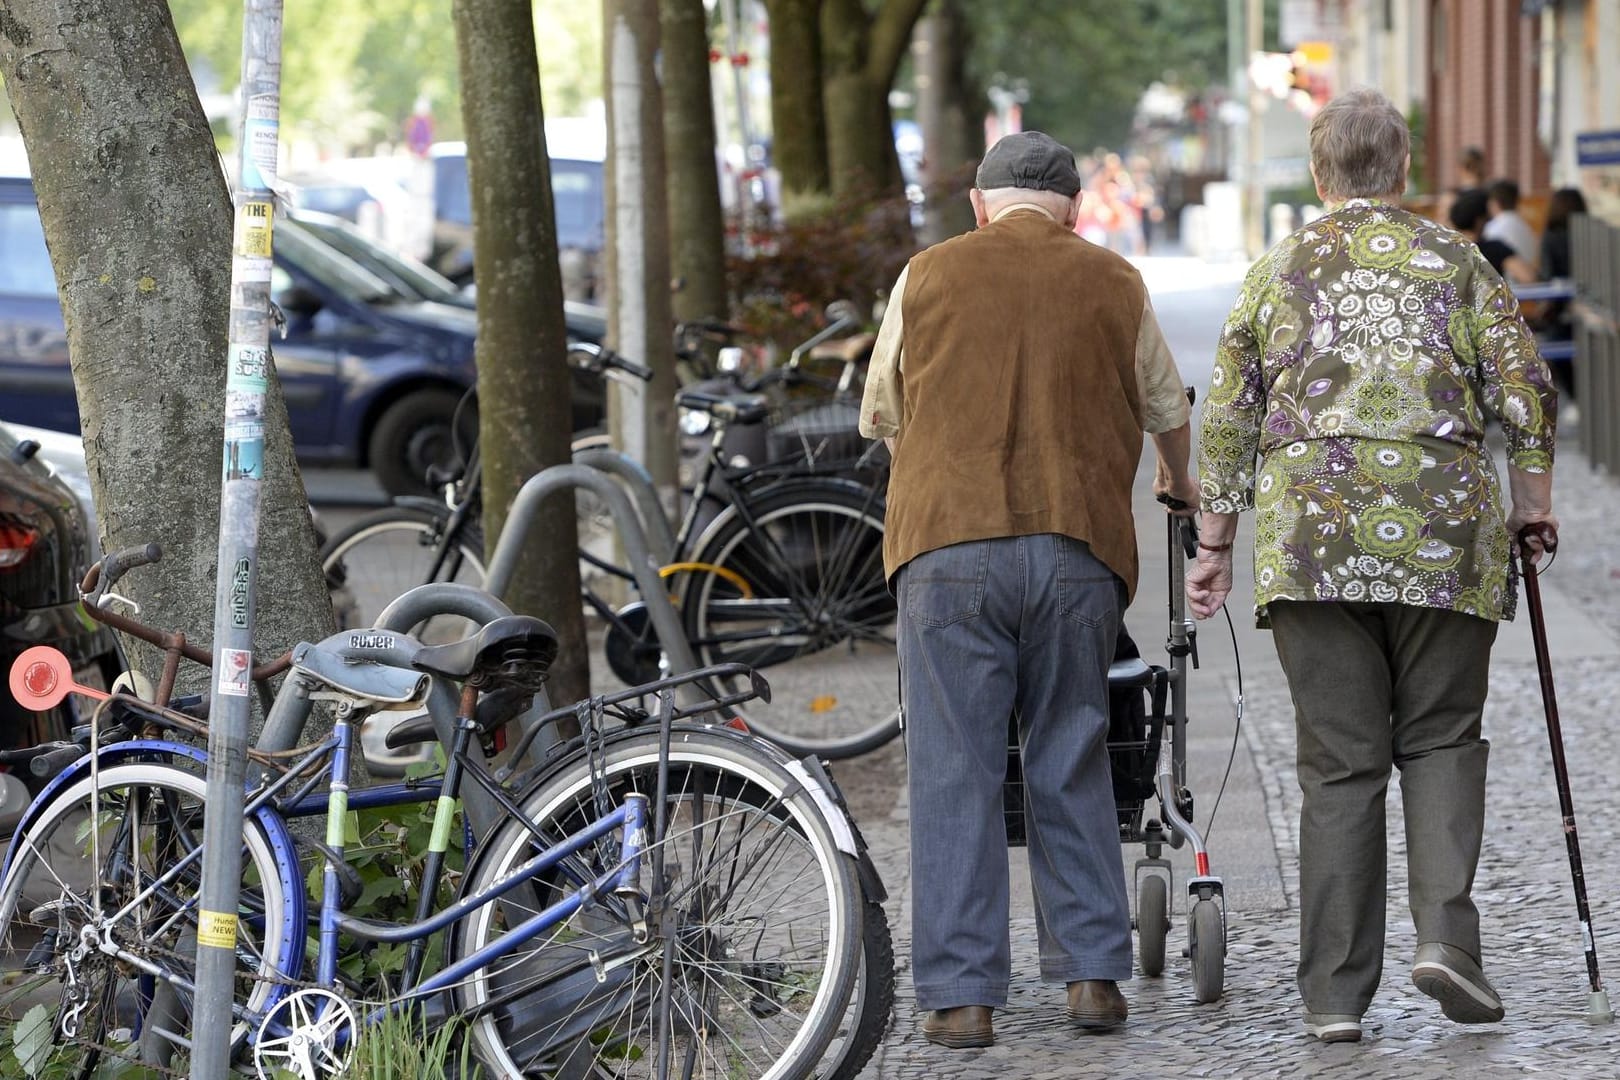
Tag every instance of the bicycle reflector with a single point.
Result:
(41, 677)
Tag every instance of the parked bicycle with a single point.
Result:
(664, 900)
(775, 565)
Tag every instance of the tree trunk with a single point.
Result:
(696, 225)
(640, 321)
(138, 220)
(524, 385)
(951, 121)
(861, 55)
(798, 122)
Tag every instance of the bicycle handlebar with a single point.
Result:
(46, 759)
(603, 361)
(53, 761)
(104, 575)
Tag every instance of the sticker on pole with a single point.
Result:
(251, 269)
(249, 367)
(262, 131)
(253, 230)
(216, 929)
(235, 666)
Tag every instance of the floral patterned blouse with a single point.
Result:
(1357, 366)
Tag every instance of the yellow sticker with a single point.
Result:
(217, 929)
(253, 230)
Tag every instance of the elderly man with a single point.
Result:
(1359, 364)
(1015, 373)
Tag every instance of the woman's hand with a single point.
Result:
(1209, 582)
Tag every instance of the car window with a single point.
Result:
(576, 187)
(451, 194)
(25, 263)
(409, 275)
(330, 267)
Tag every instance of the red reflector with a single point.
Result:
(739, 723)
(16, 541)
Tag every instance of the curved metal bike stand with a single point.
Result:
(639, 482)
(526, 507)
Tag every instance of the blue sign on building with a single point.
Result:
(1597, 148)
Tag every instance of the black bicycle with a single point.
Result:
(776, 565)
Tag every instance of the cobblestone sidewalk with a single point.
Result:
(1532, 942)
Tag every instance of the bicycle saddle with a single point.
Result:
(732, 408)
(845, 349)
(512, 651)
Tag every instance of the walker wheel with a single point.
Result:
(1206, 943)
(1152, 923)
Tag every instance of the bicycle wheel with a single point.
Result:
(816, 610)
(871, 1006)
(760, 927)
(389, 552)
(98, 955)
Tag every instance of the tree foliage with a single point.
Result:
(352, 71)
(1085, 63)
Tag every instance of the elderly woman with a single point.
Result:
(1358, 367)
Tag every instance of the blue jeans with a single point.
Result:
(988, 628)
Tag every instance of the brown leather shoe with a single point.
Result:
(964, 1028)
(1097, 1005)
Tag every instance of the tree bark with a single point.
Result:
(952, 125)
(861, 54)
(524, 385)
(798, 119)
(640, 319)
(138, 220)
(696, 224)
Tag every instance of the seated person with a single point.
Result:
(1505, 224)
(1468, 216)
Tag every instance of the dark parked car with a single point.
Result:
(586, 322)
(580, 196)
(372, 374)
(45, 546)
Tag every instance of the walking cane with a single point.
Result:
(1597, 1009)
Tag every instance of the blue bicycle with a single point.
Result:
(667, 900)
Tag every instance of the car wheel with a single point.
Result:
(414, 434)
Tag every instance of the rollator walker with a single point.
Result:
(1147, 752)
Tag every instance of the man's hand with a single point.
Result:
(1180, 488)
(1209, 582)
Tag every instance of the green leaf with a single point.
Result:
(31, 1039)
(377, 888)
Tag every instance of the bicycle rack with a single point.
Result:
(639, 482)
(508, 548)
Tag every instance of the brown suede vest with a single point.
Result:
(1021, 413)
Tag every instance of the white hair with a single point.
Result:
(1051, 201)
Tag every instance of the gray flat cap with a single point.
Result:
(1029, 159)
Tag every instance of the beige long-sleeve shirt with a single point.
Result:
(1164, 400)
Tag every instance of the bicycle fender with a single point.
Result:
(421, 502)
(792, 484)
(837, 820)
(871, 881)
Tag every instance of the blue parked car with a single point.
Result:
(372, 374)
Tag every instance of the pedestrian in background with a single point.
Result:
(1015, 372)
(1358, 367)
(1506, 224)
